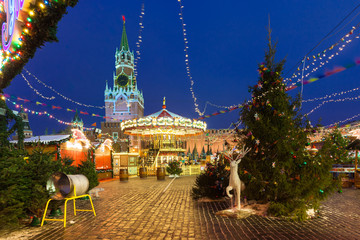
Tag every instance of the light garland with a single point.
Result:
(339, 122)
(61, 95)
(26, 26)
(45, 113)
(326, 74)
(11, 52)
(217, 106)
(163, 121)
(187, 59)
(331, 95)
(333, 100)
(323, 54)
(295, 84)
(35, 90)
(56, 107)
(139, 41)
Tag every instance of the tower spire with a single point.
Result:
(124, 41)
(164, 103)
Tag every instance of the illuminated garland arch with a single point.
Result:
(36, 24)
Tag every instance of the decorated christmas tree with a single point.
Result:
(279, 169)
(174, 168)
(212, 182)
(335, 147)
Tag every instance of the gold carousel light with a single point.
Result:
(164, 129)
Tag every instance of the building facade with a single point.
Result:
(28, 133)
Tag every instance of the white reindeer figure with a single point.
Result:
(234, 181)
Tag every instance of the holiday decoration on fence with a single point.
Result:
(235, 156)
(279, 169)
(27, 25)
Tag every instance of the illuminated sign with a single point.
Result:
(12, 9)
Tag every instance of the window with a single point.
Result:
(115, 135)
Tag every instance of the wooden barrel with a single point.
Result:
(357, 179)
(124, 175)
(143, 172)
(160, 173)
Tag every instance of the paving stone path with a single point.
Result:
(141, 209)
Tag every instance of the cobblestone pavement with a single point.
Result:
(142, 209)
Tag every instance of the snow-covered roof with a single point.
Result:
(45, 139)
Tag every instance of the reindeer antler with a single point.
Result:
(242, 153)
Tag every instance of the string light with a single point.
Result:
(139, 41)
(35, 90)
(339, 122)
(13, 52)
(58, 107)
(332, 95)
(61, 95)
(323, 54)
(333, 100)
(44, 114)
(186, 47)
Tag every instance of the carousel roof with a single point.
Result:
(163, 122)
(164, 113)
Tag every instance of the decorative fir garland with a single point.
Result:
(39, 27)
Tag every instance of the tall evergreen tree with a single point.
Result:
(195, 153)
(189, 155)
(203, 153)
(278, 168)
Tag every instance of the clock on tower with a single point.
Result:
(122, 80)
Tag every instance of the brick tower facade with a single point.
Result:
(124, 100)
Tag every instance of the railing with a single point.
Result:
(187, 170)
(191, 170)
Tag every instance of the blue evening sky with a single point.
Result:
(227, 39)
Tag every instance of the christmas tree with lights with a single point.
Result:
(279, 169)
(335, 147)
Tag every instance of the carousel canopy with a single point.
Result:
(163, 122)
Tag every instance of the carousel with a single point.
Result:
(162, 135)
